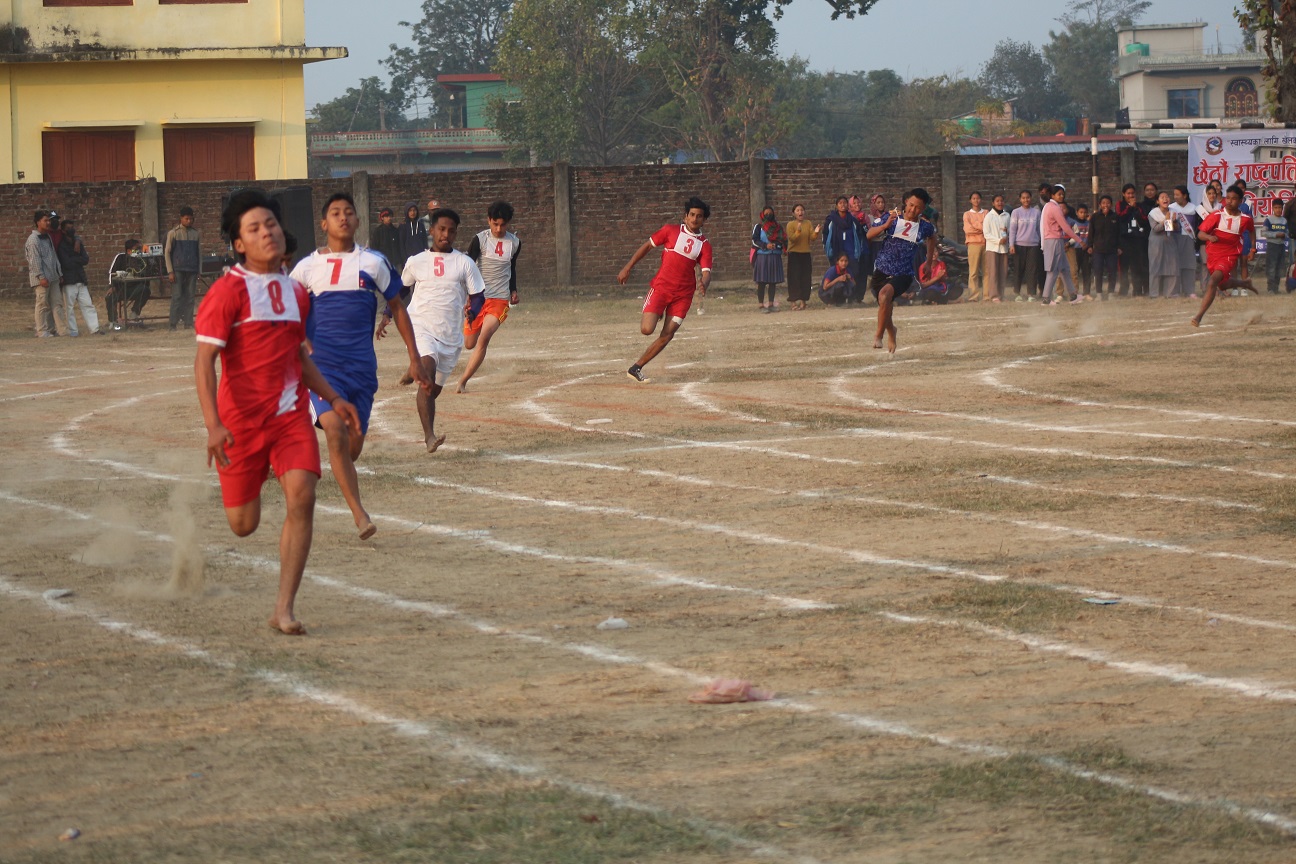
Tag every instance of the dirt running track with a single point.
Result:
(902, 548)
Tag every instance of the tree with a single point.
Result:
(584, 96)
(1083, 54)
(452, 37)
(369, 107)
(1274, 21)
(1017, 70)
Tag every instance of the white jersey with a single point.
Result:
(442, 282)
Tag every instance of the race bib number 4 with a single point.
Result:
(906, 230)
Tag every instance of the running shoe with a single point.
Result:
(1077, 299)
(1017, 299)
(637, 374)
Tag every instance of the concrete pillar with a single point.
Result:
(951, 209)
(562, 226)
(150, 227)
(1128, 169)
(756, 185)
(360, 192)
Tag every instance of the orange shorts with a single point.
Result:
(285, 443)
(498, 308)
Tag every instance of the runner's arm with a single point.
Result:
(218, 437)
(513, 295)
(318, 384)
(396, 311)
(624, 275)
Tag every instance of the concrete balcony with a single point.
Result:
(406, 142)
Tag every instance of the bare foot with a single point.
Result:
(891, 338)
(1194, 322)
(289, 627)
(406, 379)
(434, 442)
(367, 530)
(877, 343)
(462, 388)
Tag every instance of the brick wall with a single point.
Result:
(613, 210)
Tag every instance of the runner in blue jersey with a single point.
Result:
(893, 272)
(345, 281)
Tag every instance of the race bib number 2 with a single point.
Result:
(906, 230)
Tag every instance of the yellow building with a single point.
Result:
(99, 90)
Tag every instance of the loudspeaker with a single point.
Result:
(298, 211)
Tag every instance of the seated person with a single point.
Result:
(933, 287)
(837, 283)
(121, 293)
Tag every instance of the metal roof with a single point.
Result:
(1075, 147)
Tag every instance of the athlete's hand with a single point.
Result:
(218, 438)
(348, 414)
(624, 276)
(382, 327)
(513, 301)
(420, 377)
(1251, 257)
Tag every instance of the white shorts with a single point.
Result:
(444, 356)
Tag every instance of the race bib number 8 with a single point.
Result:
(906, 230)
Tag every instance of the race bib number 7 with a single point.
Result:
(906, 230)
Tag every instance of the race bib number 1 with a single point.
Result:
(1230, 224)
(906, 230)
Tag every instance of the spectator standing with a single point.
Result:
(413, 241)
(45, 276)
(799, 232)
(1104, 229)
(974, 237)
(995, 229)
(1132, 244)
(426, 219)
(183, 261)
(1185, 240)
(1274, 229)
(385, 239)
(1055, 231)
(877, 215)
(1150, 198)
(1078, 253)
(1163, 260)
(73, 259)
(768, 243)
(1024, 243)
(841, 233)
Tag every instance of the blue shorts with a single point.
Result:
(359, 395)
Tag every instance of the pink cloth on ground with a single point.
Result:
(725, 690)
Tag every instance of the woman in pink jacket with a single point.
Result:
(1054, 232)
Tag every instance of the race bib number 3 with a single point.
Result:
(689, 247)
(906, 230)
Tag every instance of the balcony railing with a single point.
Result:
(406, 141)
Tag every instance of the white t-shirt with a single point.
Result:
(442, 282)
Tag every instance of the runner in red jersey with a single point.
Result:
(1222, 233)
(671, 291)
(254, 319)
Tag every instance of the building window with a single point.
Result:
(1183, 103)
(88, 157)
(1241, 99)
(56, 3)
(209, 153)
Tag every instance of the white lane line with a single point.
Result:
(1131, 496)
(991, 378)
(439, 740)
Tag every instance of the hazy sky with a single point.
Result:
(946, 35)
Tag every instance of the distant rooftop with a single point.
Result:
(1134, 27)
(1048, 144)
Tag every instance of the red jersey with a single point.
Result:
(1229, 230)
(259, 323)
(681, 251)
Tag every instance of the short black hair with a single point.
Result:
(130, 244)
(500, 210)
(336, 196)
(241, 202)
(1127, 187)
(186, 211)
(919, 193)
(40, 214)
(975, 192)
(1238, 188)
(1043, 186)
(696, 203)
(1106, 198)
(443, 213)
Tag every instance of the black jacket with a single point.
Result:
(73, 258)
(386, 239)
(1104, 228)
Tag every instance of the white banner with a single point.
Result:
(1265, 159)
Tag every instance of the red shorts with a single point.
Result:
(659, 302)
(1225, 264)
(498, 308)
(285, 443)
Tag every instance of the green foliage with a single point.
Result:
(1017, 70)
(1273, 23)
(361, 109)
(1084, 53)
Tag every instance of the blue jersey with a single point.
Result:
(901, 245)
(345, 287)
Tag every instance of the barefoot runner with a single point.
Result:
(345, 281)
(1221, 233)
(671, 291)
(254, 319)
(893, 272)
(443, 279)
(495, 251)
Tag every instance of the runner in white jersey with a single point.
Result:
(443, 279)
(347, 282)
(495, 250)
